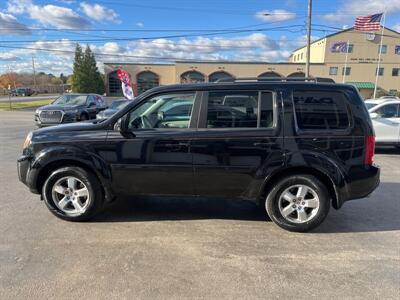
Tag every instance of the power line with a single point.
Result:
(159, 57)
(280, 28)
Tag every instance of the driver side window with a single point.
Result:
(388, 111)
(163, 111)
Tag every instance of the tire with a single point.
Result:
(84, 117)
(70, 201)
(305, 210)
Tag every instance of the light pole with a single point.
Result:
(308, 38)
(34, 72)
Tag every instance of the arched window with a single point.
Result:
(114, 84)
(270, 75)
(219, 75)
(192, 77)
(296, 74)
(146, 80)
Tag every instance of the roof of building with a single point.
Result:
(362, 85)
(336, 33)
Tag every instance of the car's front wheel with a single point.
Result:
(298, 203)
(73, 194)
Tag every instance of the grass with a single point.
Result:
(25, 104)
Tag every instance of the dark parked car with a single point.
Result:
(70, 108)
(115, 106)
(22, 92)
(295, 148)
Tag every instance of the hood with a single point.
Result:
(86, 125)
(59, 107)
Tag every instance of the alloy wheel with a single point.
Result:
(71, 195)
(299, 203)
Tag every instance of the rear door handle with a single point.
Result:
(262, 145)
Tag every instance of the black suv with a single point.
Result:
(296, 148)
(70, 108)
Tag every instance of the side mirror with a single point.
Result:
(374, 115)
(121, 124)
(118, 125)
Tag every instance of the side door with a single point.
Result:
(238, 142)
(151, 156)
(386, 123)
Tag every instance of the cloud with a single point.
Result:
(53, 15)
(362, 7)
(9, 57)
(251, 47)
(99, 13)
(276, 15)
(139, 24)
(9, 25)
(18, 6)
(397, 27)
(60, 17)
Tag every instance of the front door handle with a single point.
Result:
(176, 145)
(262, 145)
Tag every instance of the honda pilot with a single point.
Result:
(296, 148)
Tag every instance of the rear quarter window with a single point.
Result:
(321, 110)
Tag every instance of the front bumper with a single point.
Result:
(25, 174)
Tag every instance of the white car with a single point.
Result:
(385, 115)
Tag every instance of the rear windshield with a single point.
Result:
(321, 110)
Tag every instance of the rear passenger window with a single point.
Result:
(321, 110)
(248, 109)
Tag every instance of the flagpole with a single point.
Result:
(345, 61)
(379, 55)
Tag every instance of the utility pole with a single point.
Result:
(308, 38)
(34, 72)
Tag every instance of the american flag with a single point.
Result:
(368, 23)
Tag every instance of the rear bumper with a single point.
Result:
(364, 182)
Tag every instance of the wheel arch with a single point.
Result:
(326, 179)
(49, 162)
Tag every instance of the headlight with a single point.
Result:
(37, 111)
(27, 140)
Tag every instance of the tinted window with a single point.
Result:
(163, 111)
(319, 110)
(388, 111)
(370, 105)
(249, 109)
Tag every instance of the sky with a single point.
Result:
(165, 31)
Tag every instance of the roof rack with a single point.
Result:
(282, 79)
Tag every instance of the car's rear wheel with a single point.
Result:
(298, 203)
(73, 194)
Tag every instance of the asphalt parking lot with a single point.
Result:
(207, 248)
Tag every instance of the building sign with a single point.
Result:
(338, 47)
(397, 49)
(363, 60)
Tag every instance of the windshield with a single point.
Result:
(370, 105)
(71, 100)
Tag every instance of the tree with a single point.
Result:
(86, 78)
(77, 70)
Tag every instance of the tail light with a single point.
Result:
(369, 149)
